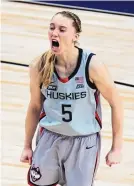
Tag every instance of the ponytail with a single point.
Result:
(46, 68)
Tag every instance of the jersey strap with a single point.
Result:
(91, 85)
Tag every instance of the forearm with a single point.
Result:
(117, 125)
(31, 123)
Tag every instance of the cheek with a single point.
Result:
(67, 39)
(49, 34)
(70, 37)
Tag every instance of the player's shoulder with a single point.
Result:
(34, 66)
(96, 64)
(86, 51)
(87, 54)
(35, 62)
(38, 62)
(91, 57)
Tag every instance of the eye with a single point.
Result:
(62, 30)
(51, 28)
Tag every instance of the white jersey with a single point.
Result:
(72, 105)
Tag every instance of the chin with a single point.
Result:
(56, 52)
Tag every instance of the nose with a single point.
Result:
(55, 32)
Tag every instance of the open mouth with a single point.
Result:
(55, 43)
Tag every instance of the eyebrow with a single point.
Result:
(51, 24)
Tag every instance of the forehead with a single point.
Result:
(62, 20)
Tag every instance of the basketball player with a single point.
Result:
(66, 82)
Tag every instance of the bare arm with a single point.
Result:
(100, 76)
(35, 105)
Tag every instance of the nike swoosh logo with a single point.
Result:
(89, 147)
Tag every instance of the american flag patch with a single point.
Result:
(79, 79)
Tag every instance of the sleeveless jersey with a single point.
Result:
(72, 105)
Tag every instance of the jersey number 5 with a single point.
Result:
(67, 113)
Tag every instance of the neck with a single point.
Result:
(68, 57)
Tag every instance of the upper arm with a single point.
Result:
(101, 77)
(36, 97)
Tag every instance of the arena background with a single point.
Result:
(24, 36)
(125, 7)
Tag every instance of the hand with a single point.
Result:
(26, 156)
(113, 157)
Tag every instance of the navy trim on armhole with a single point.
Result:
(41, 85)
(91, 85)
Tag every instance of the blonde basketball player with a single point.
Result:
(66, 82)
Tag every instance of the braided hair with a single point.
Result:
(74, 17)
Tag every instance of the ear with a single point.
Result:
(76, 37)
(37, 169)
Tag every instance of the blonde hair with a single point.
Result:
(46, 68)
(47, 60)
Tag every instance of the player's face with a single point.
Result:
(62, 34)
